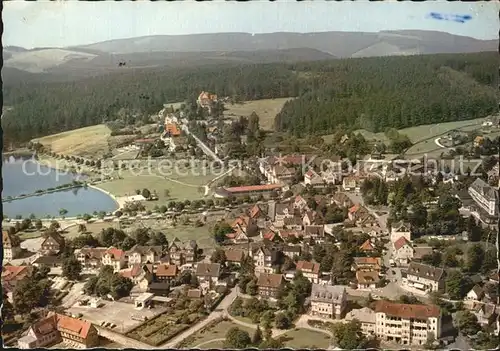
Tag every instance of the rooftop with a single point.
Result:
(407, 311)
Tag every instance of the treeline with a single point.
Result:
(397, 92)
(370, 93)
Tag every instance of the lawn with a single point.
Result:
(82, 142)
(217, 331)
(182, 232)
(305, 339)
(94, 228)
(266, 109)
(187, 186)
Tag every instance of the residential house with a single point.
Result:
(424, 277)
(206, 100)
(208, 274)
(180, 253)
(134, 273)
(90, 257)
(288, 234)
(475, 294)
(310, 270)
(293, 223)
(52, 244)
(256, 213)
(485, 313)
(485, 196)
(11, 246)
(269, 285)
(163, 273)
(49, 261)
(57, 328)
(403, 251)
(269, 235)
(421, 251)
(315, 232)
(238, 237)
(312, 218)
(300, 204)
(400, 229)
(367, 279)
(143, 254)
(359, 215)
(263, 260)
(234, 256)
(366, 316)
(407, 324)
(367, 246)
(313, 179)
(114, 257)
(281, 175)
(282, 211)
(291, 251)
(342, 200)
(11, 275)
(328, 301)
(367, 264)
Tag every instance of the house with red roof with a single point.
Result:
(367, 246)
(314, 179)
(310, 270)
(206, 100)
(238, 237)
(403, 251)
(300, 204)
(57, 328)
(114, 257)
(11, 275)
(10, 245)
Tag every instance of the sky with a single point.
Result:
(70, 23)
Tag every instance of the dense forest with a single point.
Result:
(371, 93)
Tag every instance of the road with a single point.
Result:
(219, 312)
(202, 145)
(393, 274)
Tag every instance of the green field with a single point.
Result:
(206, 336)
(183, 184)
(306, 339)
(266, 109)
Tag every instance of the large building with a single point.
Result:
(407, 324)
(328, 301)
(485, 196)
(57, 328)
(424, 277)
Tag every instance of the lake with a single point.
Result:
(25, 176)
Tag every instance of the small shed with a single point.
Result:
(143, 300)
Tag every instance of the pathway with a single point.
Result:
(208, 342)
(122, 339)
(436, 141)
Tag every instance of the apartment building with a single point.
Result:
(143, 254)
(485, 196)
(310, 270)
(328, 301)
(407, 324)
(424, 277)
(366, 316)
(269, 285)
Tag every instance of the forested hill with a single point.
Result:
(399, 92)
(372, 93)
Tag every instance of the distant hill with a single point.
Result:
(340, 44)
(201, 49)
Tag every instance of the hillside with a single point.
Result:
(78, 62)
(340, 44)
(367, 93)
(399, 92)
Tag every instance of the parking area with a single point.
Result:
(73, 296)
(115, 312)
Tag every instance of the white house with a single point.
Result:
(400, 229)
(475, 294)
(403, 251)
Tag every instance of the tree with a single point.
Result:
(218, 256)
(219, 231)
(475, 257)
(38, 224)
(8, 312)
(467, 323)
(54, 226)
(237, 339)
(63, 212)
(348, 335)
(281, 321)
(71, 268)
(257, 337)
(32, 292)
(146, 193)
(252, 288)
(82, 228)
(457, 286)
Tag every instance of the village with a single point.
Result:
(312, 254)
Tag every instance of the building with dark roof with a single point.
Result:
(485, 196)
(328, 301)
(424, 277)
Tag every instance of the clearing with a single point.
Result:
(266, 109)
(306, 339)
(212, 335)
(83, 142)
